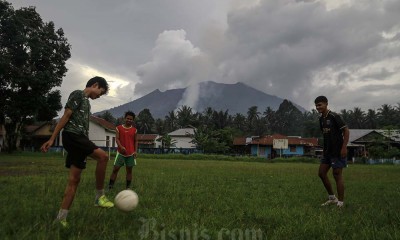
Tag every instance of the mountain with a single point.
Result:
(236, 98)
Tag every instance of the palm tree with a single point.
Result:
(252, 118)
(358, 118)
(171, 121)
(221, 119)
(239, 122)
(167, 141)
(145, 121)
(185, 116)
(270, 120)
(371, 119)
(386, 115)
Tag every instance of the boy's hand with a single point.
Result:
(45, 147)
(343, 152)
(123, 150)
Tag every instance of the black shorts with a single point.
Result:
(78, 148)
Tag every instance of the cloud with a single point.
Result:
(175, 63)
(291, 48)
(120, 89)
(294, 49)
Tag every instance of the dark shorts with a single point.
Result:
(334, 162)
(78, 148)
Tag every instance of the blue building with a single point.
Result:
(276, 145)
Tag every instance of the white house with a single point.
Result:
(183, 137)
(101, 132)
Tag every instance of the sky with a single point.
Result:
(347, 50)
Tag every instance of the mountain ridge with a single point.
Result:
(236, 98)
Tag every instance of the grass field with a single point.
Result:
(192, 199)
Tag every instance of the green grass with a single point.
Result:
(192, 199)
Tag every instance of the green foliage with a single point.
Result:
(144, 122)
(32, 63)
(178, 198)
(214, 141)
(167, 141)
(108, 117)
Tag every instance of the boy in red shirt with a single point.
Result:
(127, 145)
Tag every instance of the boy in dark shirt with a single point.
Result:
(336, 137)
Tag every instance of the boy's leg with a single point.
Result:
(128, 177)
(73, 182)
(113, 176)
(323, 174)
(102, 158)
(69, 194)
(337, 174)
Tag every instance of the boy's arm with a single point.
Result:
(118, 141)
(60, 125)
(135, 142)
(346, 135)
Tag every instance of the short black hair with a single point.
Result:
(101, 81)
(321, 99)
(130, 113)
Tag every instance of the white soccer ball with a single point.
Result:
(126, 200)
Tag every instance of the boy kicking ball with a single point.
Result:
(75, 137)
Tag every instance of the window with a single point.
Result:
(292, 148)
(107, 141)
(113, 142)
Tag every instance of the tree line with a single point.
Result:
(215, 129)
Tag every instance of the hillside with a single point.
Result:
(236, 98)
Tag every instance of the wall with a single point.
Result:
(98, 135)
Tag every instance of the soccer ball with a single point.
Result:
(126, 200)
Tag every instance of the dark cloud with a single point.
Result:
(294, 49)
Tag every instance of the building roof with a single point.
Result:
(356, 134)
(103, 123)
(148, 139)
(183, 132)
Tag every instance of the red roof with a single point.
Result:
(146, 138)
(102, 122)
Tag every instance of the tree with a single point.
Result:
(185, 116)
(108, 117)
(159, 126)
(357, 118)
(145, 121)
(252, 118)
(167, 141)
(220, 119)
(386, 115)
(289, 118)
(311, 125)
(371, 119)
(170, 121)
(32, 62)
(239, 122)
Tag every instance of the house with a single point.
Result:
(33, 136)
(361, 139)
(148, 141)
(183, 138)
(101, 132)
(267, 146)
